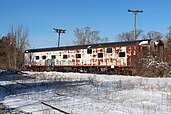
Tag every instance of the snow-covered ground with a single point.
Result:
(77, 93)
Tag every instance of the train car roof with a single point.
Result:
(98, 45)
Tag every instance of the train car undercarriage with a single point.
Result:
(83, 69)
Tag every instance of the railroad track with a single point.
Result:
(7, 110)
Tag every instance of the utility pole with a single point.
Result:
(59, 31)
(135, 14)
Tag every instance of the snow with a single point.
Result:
(78, 93)
(143, 43)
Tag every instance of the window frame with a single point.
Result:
(89, 51)
(78, 56)
(37, 57)
(122, 54)
(43, 57)
(109, 51)
(65, 56)
(100, 55)
(53, 56)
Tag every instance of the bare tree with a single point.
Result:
(87, 36)
(168, 46)
(3, 57)
(168, 35)
(14, 44)
(153, 35)
(129, 36)
(105, 40)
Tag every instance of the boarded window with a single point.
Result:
(121, 54)
(109, 50)
(78, 55)
(89, 51)
(37, 57)
(44, 57)
(53, 57)
(100, 55)
(65, 56)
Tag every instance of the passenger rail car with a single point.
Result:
(114, 57)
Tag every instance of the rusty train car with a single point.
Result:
(113, 57)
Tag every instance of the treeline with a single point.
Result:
(12, 47)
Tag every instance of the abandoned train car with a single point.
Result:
(114, 57)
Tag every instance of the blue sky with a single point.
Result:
(110, 17)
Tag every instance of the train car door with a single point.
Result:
(88, 56)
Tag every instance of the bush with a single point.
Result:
(151, 66)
